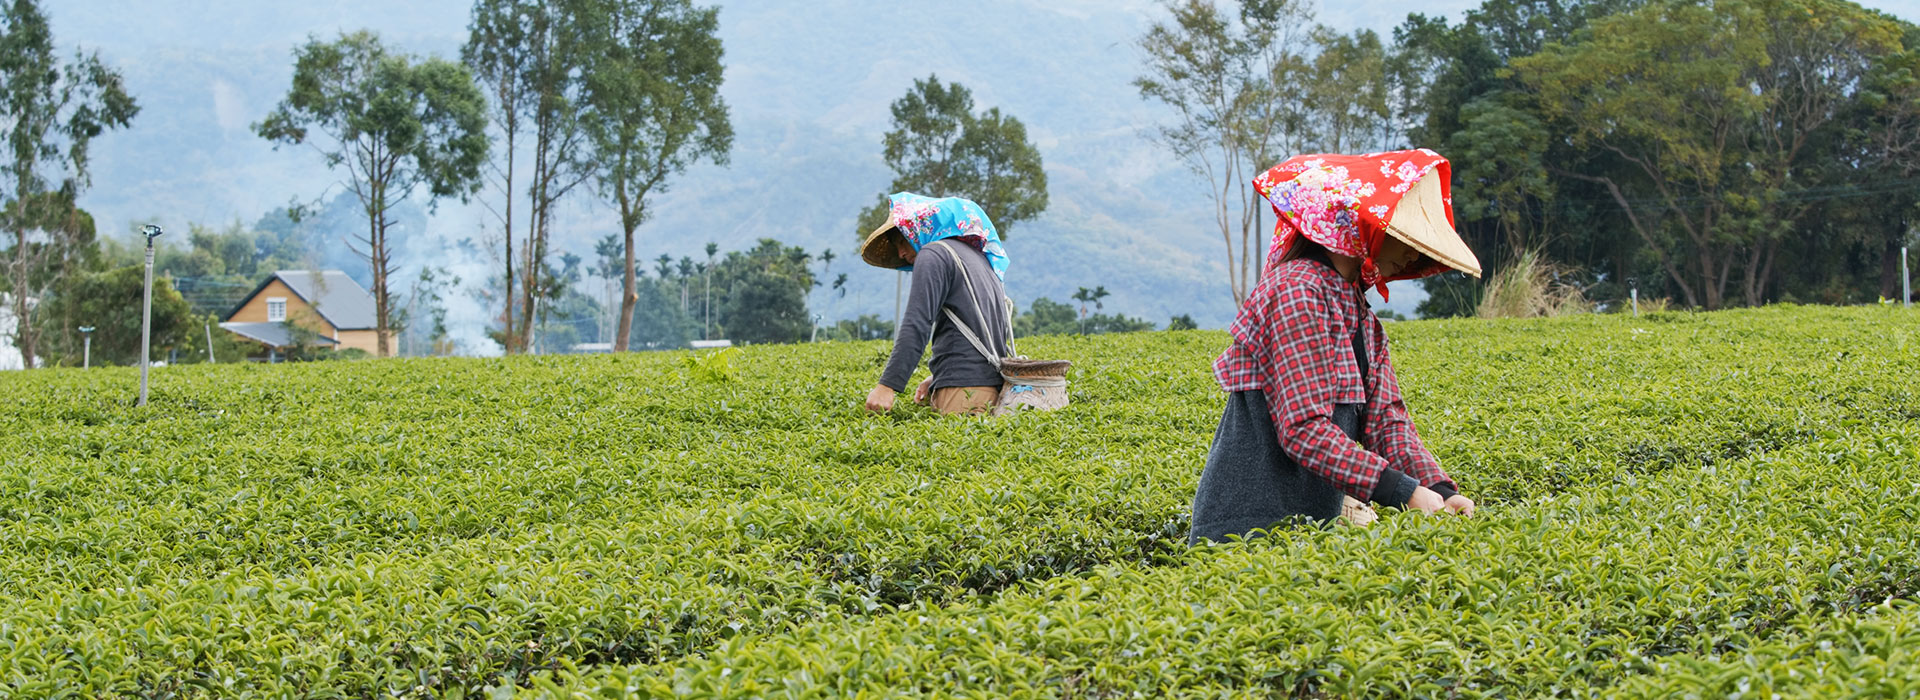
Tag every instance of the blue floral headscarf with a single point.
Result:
(923, 220)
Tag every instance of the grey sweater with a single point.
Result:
(937, 283)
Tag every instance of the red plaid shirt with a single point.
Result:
(1293, 340)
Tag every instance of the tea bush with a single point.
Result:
(1685, 504)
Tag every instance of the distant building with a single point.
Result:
(339, 312)
(710, 344)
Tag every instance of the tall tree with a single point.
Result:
(1228, 77)
(398, 126)
(529, 54)
(938, 147)
(653, 107)
(52, 112)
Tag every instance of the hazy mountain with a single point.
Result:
(808, 84)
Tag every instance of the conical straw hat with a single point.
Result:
(1420, 220)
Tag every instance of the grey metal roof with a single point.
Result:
(274, 334)
(339, 299)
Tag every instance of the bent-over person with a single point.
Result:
(934, 238)
(1315, 426)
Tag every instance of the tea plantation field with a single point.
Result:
(1703, 505)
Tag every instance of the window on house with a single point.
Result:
(276, 309)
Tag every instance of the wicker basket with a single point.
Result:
(1039, 385)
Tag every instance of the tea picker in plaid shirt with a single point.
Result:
(1314, 425)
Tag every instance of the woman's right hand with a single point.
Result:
(880, 400)
(1426, 500)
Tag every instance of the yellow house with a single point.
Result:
(326, 302)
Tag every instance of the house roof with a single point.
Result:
(332, 293)
(275, 334)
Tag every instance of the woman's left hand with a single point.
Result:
(921, 392)
(1459, 505)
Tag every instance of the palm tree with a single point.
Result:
(1089, 296)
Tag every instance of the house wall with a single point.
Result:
(255, 310)
(368, 340)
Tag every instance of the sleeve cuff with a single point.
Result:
(1446, 489)
(1394, 489)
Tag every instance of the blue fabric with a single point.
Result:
(924, 220)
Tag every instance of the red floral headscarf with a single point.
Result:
(1344, 202)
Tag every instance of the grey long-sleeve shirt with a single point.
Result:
(936, 284)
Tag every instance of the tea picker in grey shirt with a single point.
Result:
(918, 228)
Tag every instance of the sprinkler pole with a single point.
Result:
(146, 313)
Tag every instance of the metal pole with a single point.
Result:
(86, 353)
(1906, 281)
(146, 314)
(210, 357)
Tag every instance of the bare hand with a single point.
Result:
(880, 400)
(921, 392)
(1459, 505)
(1426, 500)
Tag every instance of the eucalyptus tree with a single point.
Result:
(1231, 79)
(398, 126)
(652, 108)
(530, 55)
(50, 112)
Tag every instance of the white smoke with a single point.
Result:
(10, 357)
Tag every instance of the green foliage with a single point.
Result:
(866, 327)
(714, 367)
(765, 293)
(1046, 317)
(939, 148)
(110, 301)
(1679, 515)
(1723, 173)
(1183, 322)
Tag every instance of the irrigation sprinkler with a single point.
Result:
(146, 313)
(86, 344)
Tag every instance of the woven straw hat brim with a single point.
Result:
(1420, 221)
(878, 249)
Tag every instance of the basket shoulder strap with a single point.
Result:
(966, 279)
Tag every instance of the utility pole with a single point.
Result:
(146, 313)
(86, 354)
